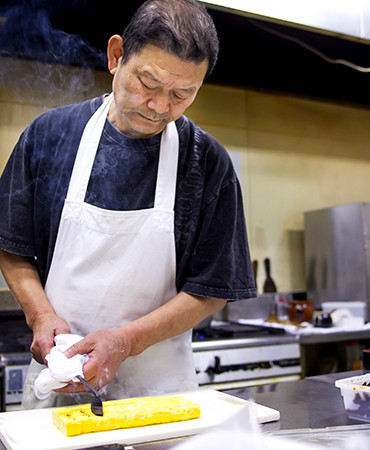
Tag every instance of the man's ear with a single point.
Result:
(114, 52)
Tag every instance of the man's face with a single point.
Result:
(151, 89)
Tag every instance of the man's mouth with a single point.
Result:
(152, 119)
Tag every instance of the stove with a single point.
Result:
(15, 356)
(230, 355)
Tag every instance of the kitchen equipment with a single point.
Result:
(269, 284)
(356, 396)
(324, 321)
(337, 253)
(231, 355)
(300, 310)
(282, 308)
(96, 403)
(356, 309)
(15, 355)
(13, 372)
(39, 433)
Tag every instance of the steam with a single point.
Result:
(65, 61)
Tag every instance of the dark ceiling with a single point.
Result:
(76, 32)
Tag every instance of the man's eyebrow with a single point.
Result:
(148, 74)
(189, 90)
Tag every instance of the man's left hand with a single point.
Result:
(106, 350)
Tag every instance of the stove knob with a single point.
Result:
(216, 369)
(265, 365)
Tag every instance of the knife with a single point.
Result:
(96, 403)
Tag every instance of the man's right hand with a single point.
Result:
(45, 327)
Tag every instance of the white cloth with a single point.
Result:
(60, 369)
(112, 267)
(306, 328)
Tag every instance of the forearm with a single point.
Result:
(178, 315)
(23, 280)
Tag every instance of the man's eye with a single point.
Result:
(146, 86)
(177, 96)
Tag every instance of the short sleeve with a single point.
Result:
(16, 202)
(220, 264)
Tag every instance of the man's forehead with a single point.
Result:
(157, 60)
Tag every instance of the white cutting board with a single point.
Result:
(34, 429)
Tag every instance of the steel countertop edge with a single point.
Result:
(288, 338)
(244, 342)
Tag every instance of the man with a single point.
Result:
(122, 220)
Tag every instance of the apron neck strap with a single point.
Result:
(86, 152)
(165, 192)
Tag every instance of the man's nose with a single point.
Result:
(159, 103)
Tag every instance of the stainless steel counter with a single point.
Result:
(306, 339)
(339, 336)
(245, 342)
(314, 402)
(311, 410)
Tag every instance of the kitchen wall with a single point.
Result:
(295, 154)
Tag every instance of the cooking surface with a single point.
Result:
(228, 330)
(39, 433)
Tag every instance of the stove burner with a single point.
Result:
(228, 330)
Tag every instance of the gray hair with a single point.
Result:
(180, 27)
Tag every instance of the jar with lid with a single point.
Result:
(300, 310)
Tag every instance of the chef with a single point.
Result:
(122, 220)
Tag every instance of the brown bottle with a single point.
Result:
(300, 310)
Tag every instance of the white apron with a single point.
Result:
(112, 267)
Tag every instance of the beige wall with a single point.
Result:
(296, 154)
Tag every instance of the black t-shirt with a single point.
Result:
(212, 254)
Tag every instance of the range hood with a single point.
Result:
(256, 51)
(345, 19)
